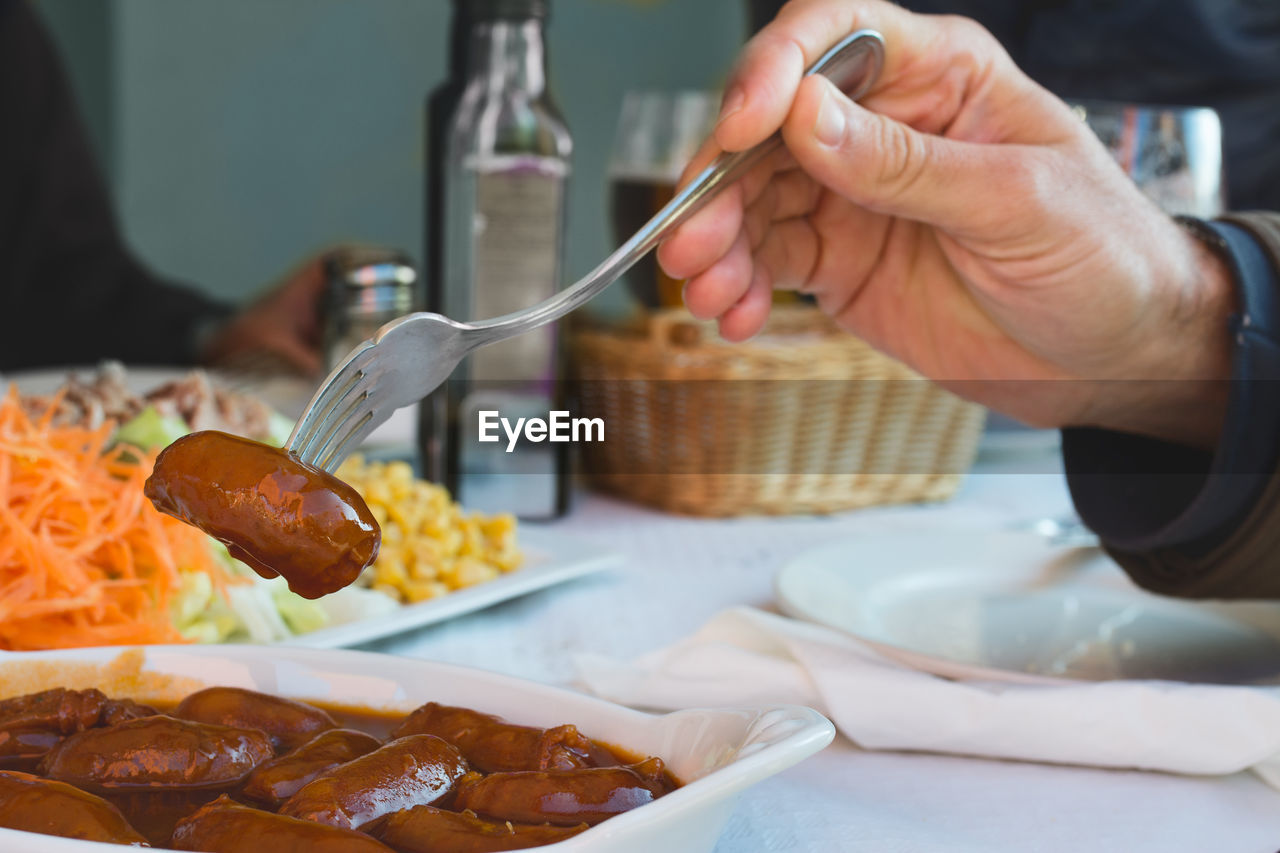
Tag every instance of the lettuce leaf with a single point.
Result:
(300, 614)
(151, 430)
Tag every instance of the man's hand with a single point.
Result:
(963, 220)
(283, 325)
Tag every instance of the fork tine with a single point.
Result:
(359, 431)
(320, 410)
(352, 417)
(337, 423)
(341, 383)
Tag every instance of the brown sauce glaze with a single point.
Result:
(279, 779)
(157, 752)
(272, 511)
(289, 724)
(407, 772)
(360, 786)
(563, 797)
(55, 808)
(493, 745)
(225, 826)
(154, 813)
(426, 829)
(31, 725)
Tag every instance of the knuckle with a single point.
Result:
(973, 48)
(969, 33)
(1037, 177)
(902, 157)
(777, 51)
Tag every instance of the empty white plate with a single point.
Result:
(1009, 607)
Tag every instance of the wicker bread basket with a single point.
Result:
(804, 418)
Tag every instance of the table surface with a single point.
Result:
(681, 571)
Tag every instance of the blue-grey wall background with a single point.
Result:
(241, 135)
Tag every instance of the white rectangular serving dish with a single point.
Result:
(550, 558)
(715, 753)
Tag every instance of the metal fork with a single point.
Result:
(410, 357)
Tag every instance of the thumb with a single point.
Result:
(890, 168)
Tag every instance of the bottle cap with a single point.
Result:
(504, 10)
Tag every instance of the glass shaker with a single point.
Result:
(367, 288)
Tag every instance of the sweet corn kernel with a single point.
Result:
(429, 545)
(416, 591)
(469, 571)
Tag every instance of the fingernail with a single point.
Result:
(828, 129)
(733, 101)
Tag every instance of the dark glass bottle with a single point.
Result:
(499, 233)
(441, 103)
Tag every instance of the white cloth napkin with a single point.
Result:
(747, 656)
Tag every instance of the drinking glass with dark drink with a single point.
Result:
(1173, 154)
(658, 133)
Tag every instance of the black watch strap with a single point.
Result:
(1163, 504)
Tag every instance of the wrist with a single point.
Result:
(1179, 388)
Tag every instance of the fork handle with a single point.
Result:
(854, 63)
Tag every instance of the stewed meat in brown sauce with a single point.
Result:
(409, 771)
(159, 752)
(491, 744)
(225, 826)
(31, 725)
(34, 804)
(564, 797)
(425, 829)
(272, 511)
(289, 724)
(231, 770)
(279, 779)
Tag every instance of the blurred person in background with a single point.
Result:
(964, 220)
(71, 292)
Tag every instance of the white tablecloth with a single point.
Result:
(680, 571)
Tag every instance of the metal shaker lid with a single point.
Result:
(503, 10)
(365, 266)
(366, 279)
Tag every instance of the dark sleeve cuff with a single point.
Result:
(174, 322)
(1156, 504)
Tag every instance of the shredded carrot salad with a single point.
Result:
(85, 560)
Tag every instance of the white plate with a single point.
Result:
(550, 558)
(287, 394)
(45, 381)
(717, 753)
(1009, 607)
